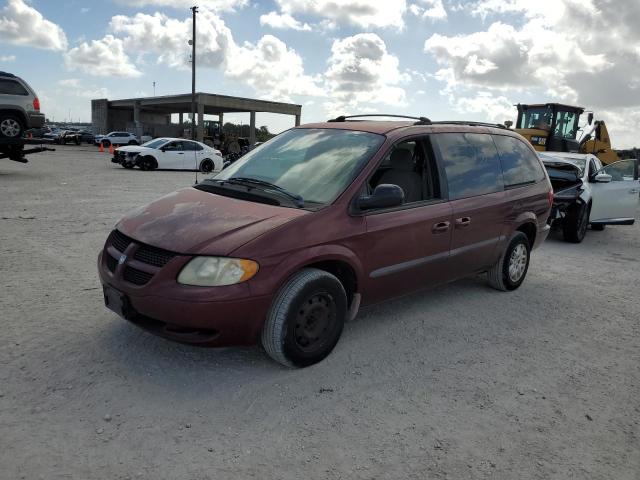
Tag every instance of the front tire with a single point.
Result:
(306, 318)
(148, 163)
(574, 225)
(511, 269)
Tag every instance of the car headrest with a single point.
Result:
(402, 159)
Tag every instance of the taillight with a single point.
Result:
(36, 104)
(550, 198)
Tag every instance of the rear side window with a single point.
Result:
(520, 166)
(471, 164)
(11, 87)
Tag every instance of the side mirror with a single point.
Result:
(163, 149)
(384, 196)
(508, 123)
(603, 178)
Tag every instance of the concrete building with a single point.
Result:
(152, 115)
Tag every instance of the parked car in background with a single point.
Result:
(286, 244)
(170, 154)
(588, 193)
(117, 138)
(86, 136)
(19, 107)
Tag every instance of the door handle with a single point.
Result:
(180, 153)
(440, 227)
(463, 222)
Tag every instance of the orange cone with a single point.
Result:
(111, 149)
(101, 149)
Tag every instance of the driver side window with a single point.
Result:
(624, 170)
(173, 147)
(410, 165)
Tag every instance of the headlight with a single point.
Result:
(217, 271)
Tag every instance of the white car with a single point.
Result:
(170, 154)
(588, 193)
(117, 138)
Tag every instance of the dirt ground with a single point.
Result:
(460, 382)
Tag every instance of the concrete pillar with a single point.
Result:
(221, 120)
(252, 128)
(181, 119)
(200, 131)
(136, 120)
(297, 120)
(100, 116)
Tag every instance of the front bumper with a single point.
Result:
(212, 317)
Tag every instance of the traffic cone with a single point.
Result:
(101, 149)
(111, 149)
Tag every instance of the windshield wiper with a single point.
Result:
(298, 200)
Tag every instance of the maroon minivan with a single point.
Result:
(286, 244)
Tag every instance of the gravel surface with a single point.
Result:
(458, 382)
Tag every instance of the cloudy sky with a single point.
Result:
(445, 59)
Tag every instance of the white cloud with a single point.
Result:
(69, 82)
(283, 21)
(433, 9)
(360, 72)
(361, 13)
(213, 5)
(495, 109)
(272, 69)
(21, 24)
(104, 57)
(7, 58)
(167, 38)
(585, 53)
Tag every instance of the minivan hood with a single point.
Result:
(192, 221)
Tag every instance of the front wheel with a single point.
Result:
(574, 225)
(510, 270)
(148, 163)
(306, 318)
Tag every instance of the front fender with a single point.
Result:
(278, 269)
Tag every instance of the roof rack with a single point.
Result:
(420, 120)
(473, 124)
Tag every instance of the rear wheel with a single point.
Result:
(206, 166)
(106, 143)
(574, 225)
(306, 318)
(510, 270)
(148, 163)
(10, 126)
(132, 142)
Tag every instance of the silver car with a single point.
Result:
(19, 107)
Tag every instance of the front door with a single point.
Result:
(407, 247)
(616, 201)
(172, 156)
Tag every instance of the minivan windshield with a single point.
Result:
(316, 164)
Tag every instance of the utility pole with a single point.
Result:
(154, 89)
(194, 10)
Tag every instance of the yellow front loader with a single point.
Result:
(555, 127)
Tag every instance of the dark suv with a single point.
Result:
(19, 107)
(290, 241)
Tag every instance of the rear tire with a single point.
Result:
(306, 318)
(10, 126)
(574, 225)
(132, 142)
(106, 143)
(207, 166)
(511, 269)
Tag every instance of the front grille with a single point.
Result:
(153, 255)
(112, 263)
(120, 241)
(137, 277)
